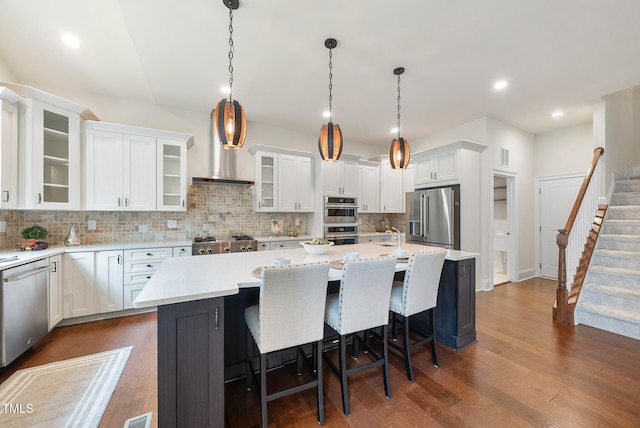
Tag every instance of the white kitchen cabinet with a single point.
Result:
(8, 153)
(438, 168)
(55, 294)
(172, 175)
(78, 272)
(408, 183)
(119, 171)
(369, 187)
(49, 174)
(265, 191)
(181, 251)
(339, 178)
(264, 246)
(139, 265)
(295, 183)
(392, 188)
(290, 243)
(109, 281)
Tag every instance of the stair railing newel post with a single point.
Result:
(562, 297)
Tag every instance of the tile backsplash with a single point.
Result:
(213, 209)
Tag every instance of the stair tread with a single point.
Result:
(620, 237)
(612, 290)
(615, 271)
(617, 253)
(611, 312)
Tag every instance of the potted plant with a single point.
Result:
(35, 238)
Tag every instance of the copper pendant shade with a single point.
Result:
(330, 140)
(399, 152)
(229, 121)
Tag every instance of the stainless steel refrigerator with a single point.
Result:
(433, 217)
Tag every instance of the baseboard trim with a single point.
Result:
(105, 316)
(526, 274)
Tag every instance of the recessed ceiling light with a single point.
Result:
(394, 130)
(225, 89)
(500, 85)
(326, 114)
(71, 40)
(557, 114)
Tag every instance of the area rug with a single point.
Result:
(69, 393)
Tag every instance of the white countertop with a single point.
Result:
(31, 256)
(185, 279)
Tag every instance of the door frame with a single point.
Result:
(512, 220)
(538, 214)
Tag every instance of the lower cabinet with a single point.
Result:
(109, 281)
(191, 364)
(78, 284)
(139, 265)
(280, 245)
(55, 290)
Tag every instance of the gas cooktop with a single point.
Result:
(199, 239)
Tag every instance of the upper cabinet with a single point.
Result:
(284, 180)
(49, 157)
(133, 169)
(392, 188)
(340, 178)
(9, 148)
(369, 187)
(438, 168)
(295, 183)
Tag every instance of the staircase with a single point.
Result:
(610, 297)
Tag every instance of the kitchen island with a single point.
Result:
(190, 295)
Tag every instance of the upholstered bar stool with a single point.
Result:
(417, 293)
(362, 303)
(290, 313)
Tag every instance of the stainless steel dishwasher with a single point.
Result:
(24, 316)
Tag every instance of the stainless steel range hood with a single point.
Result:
(222, 163)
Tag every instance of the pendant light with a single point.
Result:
(399, 147)
(330, 140)
(228, 117)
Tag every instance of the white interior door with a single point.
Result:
(557, 196)
(504, 228)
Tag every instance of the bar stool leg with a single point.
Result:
(407, 347)
(263, 389)
(434, 348)
(320, 389)
(248, 371)
(385, 364)
(343, 377)
(394, 327)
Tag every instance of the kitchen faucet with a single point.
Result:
(397, 232)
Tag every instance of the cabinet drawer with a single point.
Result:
(147, 254)
(141, 266)
(130, 294)
(181, 251)
(288, 244)
(137, 277)
(262, 246)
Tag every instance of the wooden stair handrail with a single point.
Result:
(563, 313)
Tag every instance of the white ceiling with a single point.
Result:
(555, 54)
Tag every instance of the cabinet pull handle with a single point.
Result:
(55, 267)
(149, 254)
(39, 198)
(119, 260)
(149, 266)
(119, 202)
(126, 202)
(6, 196)
(216, 317)
(148, 276)
(183, 203)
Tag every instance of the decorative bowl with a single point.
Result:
(316, 248)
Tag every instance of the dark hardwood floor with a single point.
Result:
(523, 371)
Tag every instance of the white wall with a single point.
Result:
(473, 131)
(6, 75)
(618, 129)
(565, 151)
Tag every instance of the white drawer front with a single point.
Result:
(288, 244)
(130, 294)
(147, 254)
(141, 266)
(137, 278)
(181, 251)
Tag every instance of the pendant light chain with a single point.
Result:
(231, 49)
(398, 106)
(330, 84)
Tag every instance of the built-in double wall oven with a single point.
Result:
(341, 219)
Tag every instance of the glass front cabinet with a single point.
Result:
(172, 177)
(50, 157)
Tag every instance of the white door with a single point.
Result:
(287, 183)
(139, 173)
(109, 281)
(78, 274)
(557, 196)
(306, 195)
(103, 170)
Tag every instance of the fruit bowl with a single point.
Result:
(316, 248)
(32, 246)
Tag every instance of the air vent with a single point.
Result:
(504, 157)
(142, 421)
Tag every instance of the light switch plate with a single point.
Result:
(91, 225)
(172, 224)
